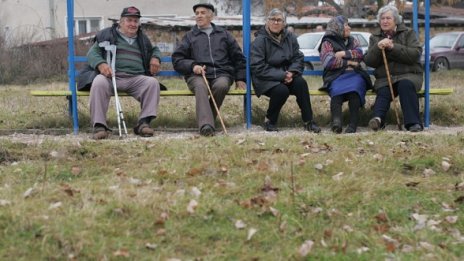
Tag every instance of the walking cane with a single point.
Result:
(395, 106)
(214, 102)
(111, 51)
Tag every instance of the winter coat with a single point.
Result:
(87, 75)
(403, 59)
(219, 52)
(270, 60)
(351, 48)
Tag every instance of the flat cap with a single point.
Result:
(205, 5)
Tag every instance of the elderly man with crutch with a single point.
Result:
(210, 59)
(394, 51)
(135, 60)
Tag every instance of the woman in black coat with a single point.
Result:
(276, 70)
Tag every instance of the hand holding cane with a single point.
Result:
(214, 102)
(395, 106)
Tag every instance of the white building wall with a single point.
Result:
(37, 20)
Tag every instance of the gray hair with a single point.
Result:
(276, 12)
(389, 8)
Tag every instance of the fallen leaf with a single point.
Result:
(362, 250)
(459, 186)
(427, 246)
(121, 252)
(135, 181)
(151, 246)
(223, 169)
(283, 226)
(191, 206)
(447, 208)
(412, 184)
(338, 176)
(161, 232)
(445, 165)
(240, 141)
(459, 200)
(428, 172)
(407, 248)
(319, 166)
(420, 221)
(195, 192)
(327, 233)
(378, 157)
(75, 170)
(55, 205)
(305, 248)
(162, 218)
(274, 211)
(451, 219)
(239, 224)
(347, 228)
(381, 228)
(29, 192)
(195, 172)
(381, 217)
(390, 243)
(4, 202)
(251, 233)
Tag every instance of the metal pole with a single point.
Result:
(427, 65)
(71, 66)
(415, 9)
(246, 5)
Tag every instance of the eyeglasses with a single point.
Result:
(276, 20)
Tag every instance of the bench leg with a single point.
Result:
(70, 112)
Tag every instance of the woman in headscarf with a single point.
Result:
(403, 50)
(344, 79)
(276, 70)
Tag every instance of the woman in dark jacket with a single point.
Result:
(403, 51)
(344, 79)
(276, 70)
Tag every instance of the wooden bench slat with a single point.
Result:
(444, 91)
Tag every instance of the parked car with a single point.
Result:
(446, 51)
(310, 42)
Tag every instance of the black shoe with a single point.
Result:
(207, 130)
(336, 125)
(268, 126)
(375, 124)
(350, 129)
(415, 128)
(311, 126)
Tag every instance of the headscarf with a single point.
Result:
(336, 26)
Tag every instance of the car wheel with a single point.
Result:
(308, 67)
(441, 64)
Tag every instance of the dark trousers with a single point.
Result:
(408, 98)
(354, 104)
(279, 94)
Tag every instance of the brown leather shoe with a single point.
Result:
(100, 133)
(144, 130)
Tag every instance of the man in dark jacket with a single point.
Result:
(136, 61)
(211, 51)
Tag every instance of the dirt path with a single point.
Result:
(38, 136)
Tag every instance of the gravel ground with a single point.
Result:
(38, 136)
